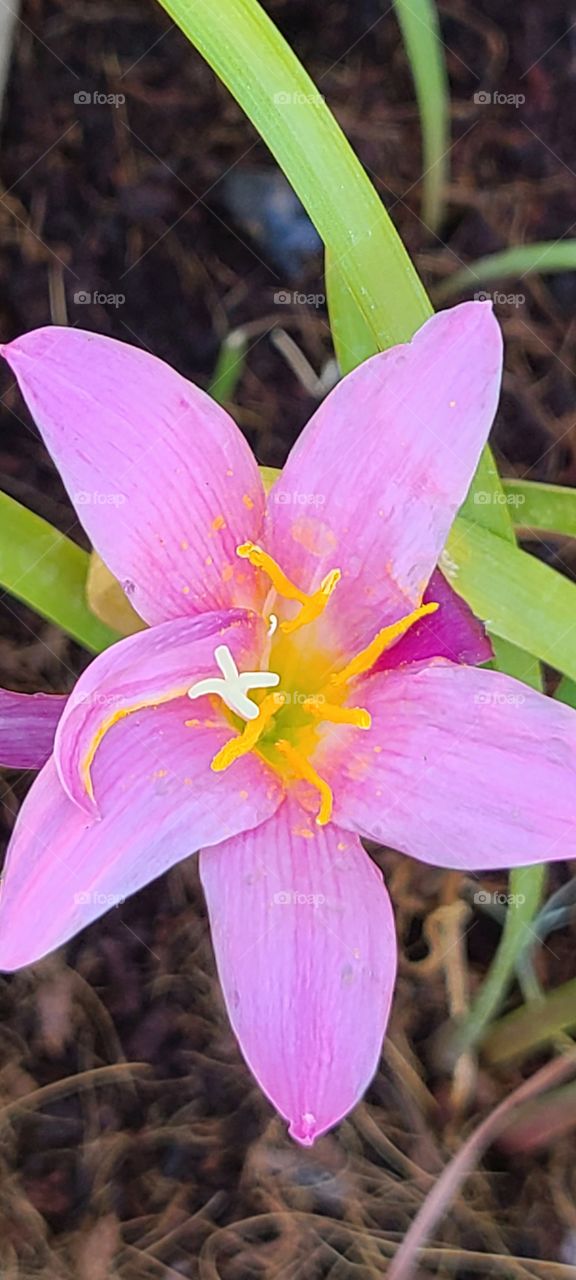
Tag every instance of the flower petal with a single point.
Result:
(305, 945)
(376, 478)
(452, 632)
(160, 802)
(147, 669)
(461, 768)
(27, 726)
(162, 480)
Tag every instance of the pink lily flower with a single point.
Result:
(307, 679)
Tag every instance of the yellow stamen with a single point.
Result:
(368, 656)
(303, 769)
(357, 716)
(109, 722)
(253, 730)
(261, 560)
(313, 604)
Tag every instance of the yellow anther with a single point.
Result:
(303, 769)
(382, 641)
(261, 560)
(313, 604)
(323, 710)
(248, 739)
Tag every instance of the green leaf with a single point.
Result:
(229, 367)
(522, 260)
(519, 598)
(420, 28)
(48, 572)
(526, 887)
(247, 52)
(551, 507)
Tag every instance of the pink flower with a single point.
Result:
(302, 683)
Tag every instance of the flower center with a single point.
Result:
(284, 729)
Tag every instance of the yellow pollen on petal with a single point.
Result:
(109, 722)
(248, 739)
(313, 603)
(356, 716)
(382, 641)
(303, 769)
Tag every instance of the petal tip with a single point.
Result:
(304, 1129)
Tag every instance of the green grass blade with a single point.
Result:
(420, 28)
(521, 260)
(48, 571)
(229, 367)
(550, 507)
(519, 598)
(247, 52)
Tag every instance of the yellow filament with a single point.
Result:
(261, 560)
(113, 719)
(368, 656)
(313, 604)
(253, 730)
(303, 769)
(357, 716)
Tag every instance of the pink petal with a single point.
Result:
(27, 726)
(161, 663)
(376, 478)
(305, 945)
(161, 478)
(452, 632)
(461, 768)
(161, 802)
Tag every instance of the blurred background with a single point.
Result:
(137, 201)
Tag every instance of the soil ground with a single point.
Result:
(149, 1152)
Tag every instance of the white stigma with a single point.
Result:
(233, 688)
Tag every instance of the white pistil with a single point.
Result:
(233, 688)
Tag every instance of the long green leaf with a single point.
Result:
(48, 571)
(250, 56)
(550, 507)
(418, 21)
(521, 260)
(515, 594)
